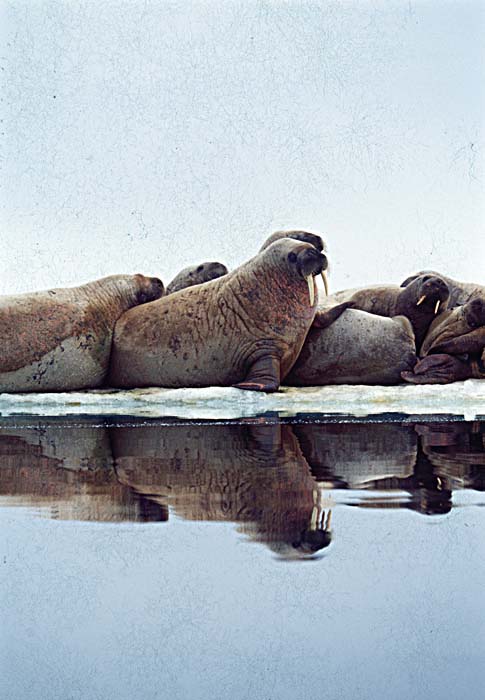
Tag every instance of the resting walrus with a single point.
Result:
(196, 274)
(460, 292)
(358, 348)
(420, 301)
(244, 329)
(454, 347)
(60, 339)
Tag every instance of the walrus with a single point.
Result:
(454, 347)
(460, 292)
(60, 339)
(420, 301)
(196, 274)
(245, 329)
(358, 348)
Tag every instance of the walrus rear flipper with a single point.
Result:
(323, 319)
(263, 375)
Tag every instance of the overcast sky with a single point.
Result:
(146, 136)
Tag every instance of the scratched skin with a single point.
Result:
(212, 334)
(60, 339)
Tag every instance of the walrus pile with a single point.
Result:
(253, 328)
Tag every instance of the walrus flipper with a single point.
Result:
(323, 319)
(263, 375)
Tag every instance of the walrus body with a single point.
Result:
(358, 348)
(460, 292)
(244, 329)
(420, 301)
(196, 274)
(60, 339)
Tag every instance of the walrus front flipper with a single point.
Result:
(323, 319)
(438, 369)
(263, 375)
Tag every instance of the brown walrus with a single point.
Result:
(60, 339)
(244, 329)
(196, 274)
(460, 292)
(420, 301)
(358, 348)
(460, 331)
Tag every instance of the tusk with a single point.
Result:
(421, 300)
(329, 518)
(437, 307)
(325, 282)
(311, 288)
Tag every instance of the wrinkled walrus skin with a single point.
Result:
(358, 348)
(60, 339)
(244, 329)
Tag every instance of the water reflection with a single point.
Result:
(277, 482)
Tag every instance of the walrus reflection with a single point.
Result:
(252, 475)
(350, 455)
(66, 471)
(456, 452)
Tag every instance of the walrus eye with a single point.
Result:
(292, 257)
(200, 268)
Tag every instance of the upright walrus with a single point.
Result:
(60, 339)
(244, 329)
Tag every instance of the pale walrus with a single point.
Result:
(420, 301)
(196, 274)
(358, 348)
(60, 339)
(460, 292)
(244, 329)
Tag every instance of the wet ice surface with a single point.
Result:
(245, 560)
(465, 399)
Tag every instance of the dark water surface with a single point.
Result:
(250, 559)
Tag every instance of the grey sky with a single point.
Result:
(146, 136)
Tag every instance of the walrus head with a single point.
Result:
(461, 330)
(308, 262)
(305, 236)
(431, 291)
(149, 288)
(196, 274)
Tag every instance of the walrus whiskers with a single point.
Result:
(325, 282)
(421, 299)
(311, 288)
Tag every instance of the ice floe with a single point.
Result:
(463, 399)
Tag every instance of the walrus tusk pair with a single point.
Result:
(437, 306)
(311, 286)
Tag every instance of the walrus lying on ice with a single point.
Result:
(244, 329)
(60, 339)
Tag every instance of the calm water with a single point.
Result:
(250, 560)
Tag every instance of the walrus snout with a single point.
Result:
(311, 262)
